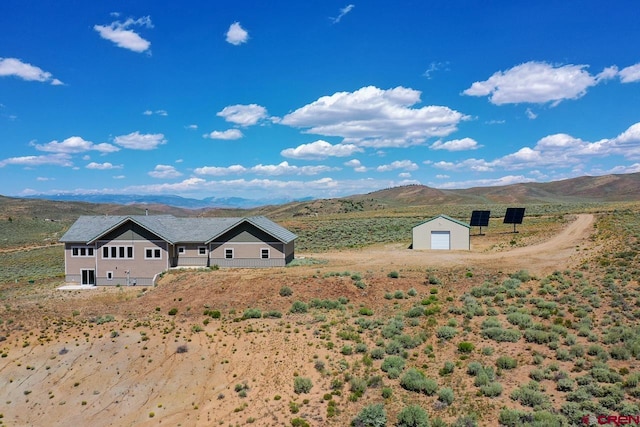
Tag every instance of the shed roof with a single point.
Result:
(448, 218)
(169, 228)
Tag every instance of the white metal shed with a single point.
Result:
(442, 233)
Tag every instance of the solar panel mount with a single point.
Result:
(514, 216)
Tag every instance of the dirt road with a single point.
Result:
(557, 253)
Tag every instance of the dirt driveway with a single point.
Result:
(562, 250)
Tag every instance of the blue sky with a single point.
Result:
(263, 99)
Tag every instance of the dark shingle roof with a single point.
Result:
(174, 230)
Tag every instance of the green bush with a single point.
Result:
(392, 363)
(415, 380)
(299, 307)
(364, 311)
(448, 368)
(302, 385)
(299, 422)
(506, 362)
(412, 416)
(446, 332)
(492, 389)
(286, 291)
(173, 311)
(465, 347)
(446, 395)
(371, 416)
(416, 311)
(252, 313)
(393, 274)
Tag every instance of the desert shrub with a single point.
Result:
(604, 375)
(364, 311)
(473, 368)
(393, 274)
(412, 292)
(415, 380)
(272, 314)
(446, 332)
(412, 416)
(285, 291)
(538, 336)
(392, 328)
(387, 392)
(214, 314)
(371, 416)
(491, 389)
(448, 368)
(530, 395)
(465, 347)
(377, 353)
(506, 362)
(302, 385)
(446, 395)
(347, 350)
(299, 422)
(487, 351)
(516, 418)
(565, 384)
(521, 320)
(393, 365)
(502, 335)
(173, 311)
(357, 386)
(105, 319)
(252, 313)
(522, 276)
(407, 341)
(361, 347)
(465, 421)
(299, 307)
(619, 353)
(415, 311)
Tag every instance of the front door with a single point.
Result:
(89, 277)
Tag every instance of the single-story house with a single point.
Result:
(135, 249)
(442, 232)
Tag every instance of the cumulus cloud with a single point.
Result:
(342, 13)
(630, 74)
(229, 134)
(58, 159)
(356, 165)
(17, 68)
(535, 82)
(372, 117)
(406, 165)
(456, 145)
(505, 180)
(236, 35)
(120, 33)
(320, 150)
(74, 145)
(138, 141)
(243, 115)
(283, 168)
(164, 172)
(103, 166)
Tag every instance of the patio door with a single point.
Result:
(88, 277)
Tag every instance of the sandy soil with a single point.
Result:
(61, 367)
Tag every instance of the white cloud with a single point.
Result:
(406, 165)
(58, 159)
(74, 145)
(320, 150)
(164, 172)
(505, 180)
(157, 112)
(243, 115)
(456, 145)
(530, 114)
(119, 33)
(138, 141)
(236, 35)
(102, 166)
(343, 12)
(535, 82)
(630, 74)
(191, 127)
(283, 168)
(228, 134)
(372, 117)
(433, 67)
(356, 165)
(17, 68)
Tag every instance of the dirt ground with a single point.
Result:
(66, 362)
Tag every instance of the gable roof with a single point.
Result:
(445, 217)
(88, 229)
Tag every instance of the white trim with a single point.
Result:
(118, 249)
(154, 251)
(109, 275)
(182, 250)
(78, 249)
(233, 255)
(202, 248)
(268, 253)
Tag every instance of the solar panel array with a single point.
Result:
(480, 218)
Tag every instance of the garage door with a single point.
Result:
(440, 240)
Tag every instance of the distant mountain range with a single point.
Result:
(168, 200)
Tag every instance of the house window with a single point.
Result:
(122, 252)
(264, 253)
(152, 253)
(202, 250)
(228, 253)
(81, 251)
(109, 275)
(181, 250)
